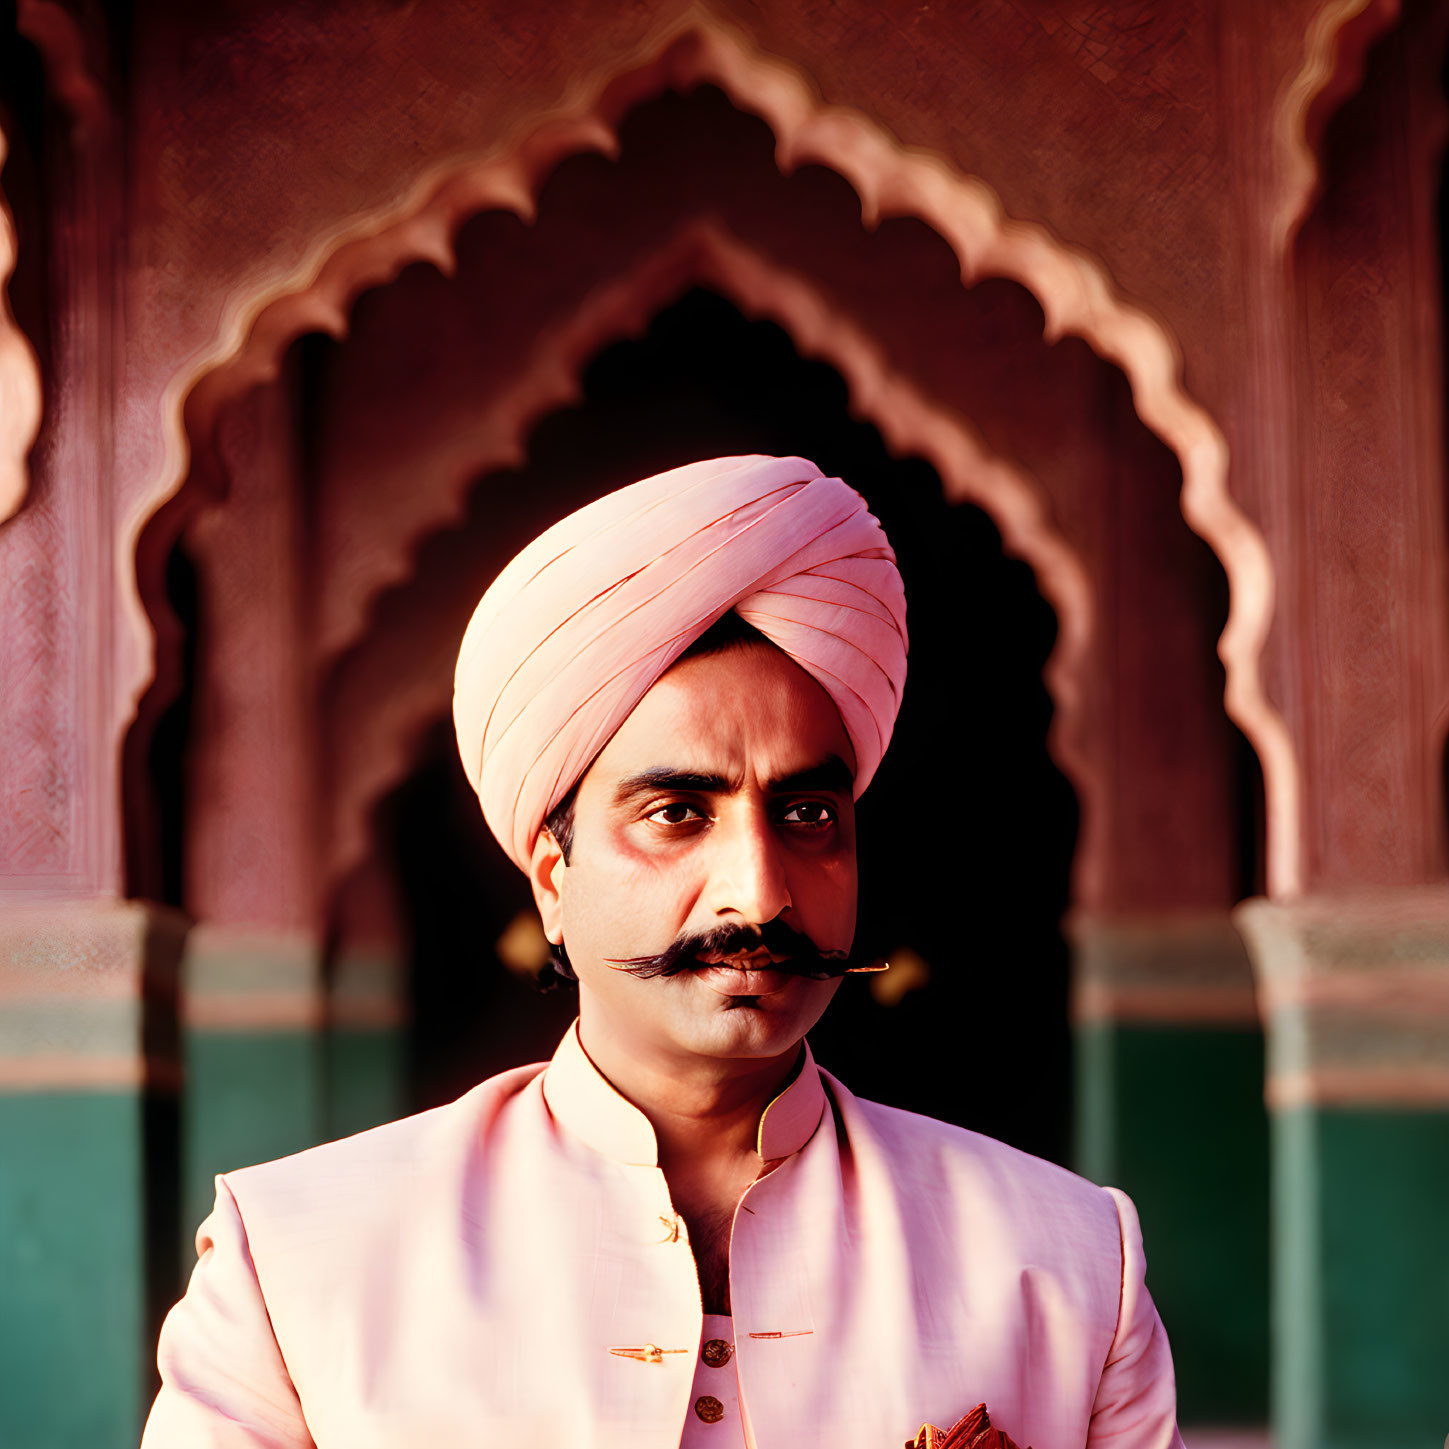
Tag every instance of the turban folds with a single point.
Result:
(579, 626)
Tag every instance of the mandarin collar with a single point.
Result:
(588, 1105)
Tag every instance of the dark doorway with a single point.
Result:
(966, 834)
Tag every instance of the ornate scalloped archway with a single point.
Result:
(1335, 49)
(19, 377)
(378, 750)
(1075, 291)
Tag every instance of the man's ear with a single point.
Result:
(546, 870)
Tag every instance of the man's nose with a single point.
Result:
(748, 876)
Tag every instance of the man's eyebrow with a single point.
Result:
(832, 773)
(666, 778)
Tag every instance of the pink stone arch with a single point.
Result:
(395, 695)
(19, 378)
(60, 42)
(1074, 289)
(1335, 49)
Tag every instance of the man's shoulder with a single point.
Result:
(982, 1173)
(916, 1134)
(370, 1165)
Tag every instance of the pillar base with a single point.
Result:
(253, 1013)
(88, 1071)
(366, 1040)
(1356, 999)
(1169, 1107)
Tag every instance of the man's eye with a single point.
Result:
(675, 813)
(812, 814)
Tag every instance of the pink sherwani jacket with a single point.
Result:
(460, 1278)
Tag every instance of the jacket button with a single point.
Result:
(718, 1352)
(709, 1409)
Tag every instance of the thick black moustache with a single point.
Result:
(802, 956)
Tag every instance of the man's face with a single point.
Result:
(723, 800)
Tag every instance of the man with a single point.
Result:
(680, 1231)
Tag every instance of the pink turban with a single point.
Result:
(574, 632)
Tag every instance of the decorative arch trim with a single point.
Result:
(20, 395)
(1335, 51)
(1074, 289)
(379, 754)
(62, 44)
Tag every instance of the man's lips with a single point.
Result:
(754, 959)
(746, 973)
(736, 981)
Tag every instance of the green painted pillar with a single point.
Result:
(88, 1072)
(366, 1039)
(253, 1013)
(1356, 999)
(1169, 1107)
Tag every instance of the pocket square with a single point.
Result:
(972, 1431)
